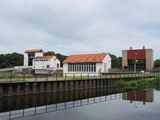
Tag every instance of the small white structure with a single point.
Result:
(45, 64)
(87, 63)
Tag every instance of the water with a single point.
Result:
(92, 104)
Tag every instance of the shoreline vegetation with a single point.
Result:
(137, 83)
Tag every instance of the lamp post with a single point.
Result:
(135, 63)
(135, 98)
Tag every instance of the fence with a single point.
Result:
(25, 77)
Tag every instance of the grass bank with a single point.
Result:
(141, 82)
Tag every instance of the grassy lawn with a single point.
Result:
(18, 80)
(30, 77)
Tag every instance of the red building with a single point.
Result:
(141, 59)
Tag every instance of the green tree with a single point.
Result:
(116, 62)
(49, 53)
(157, 63)
(61, 58)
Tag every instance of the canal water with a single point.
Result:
(90, 104)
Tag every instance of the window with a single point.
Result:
(82, 67)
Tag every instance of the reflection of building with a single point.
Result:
(41, 64)
(85, 63)
(143, 57)
(145, 96)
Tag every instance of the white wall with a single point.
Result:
(106, 61)
(38, 54)
(98, 66)
(65, 67)
(25, 63)
(43, 64)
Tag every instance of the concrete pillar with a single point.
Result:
(1, 90)
(86, 84)
(26, 88)
(66, 85)
(97, 83)
(34, 85)
(48, 87)
(9, 89)
(94, 84)
(124, 59)
(71, 84)
(81, 84)
(76, 85)
(90, 84)
(61, 86)
(41, 87)
(18, 89)
(55, 86)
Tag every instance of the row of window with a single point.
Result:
(82, 67)
(43, 60)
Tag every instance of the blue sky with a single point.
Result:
(81, 26)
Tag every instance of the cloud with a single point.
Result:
(71, 27)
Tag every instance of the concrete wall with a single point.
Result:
(106, 63)
(65, 67)
(149, 59)
(24, 88)
(124, 59)
(38, 54)
(25, 63)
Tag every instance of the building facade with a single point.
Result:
(87, 63)
(40, 63)
(45, 64)
(139, 59)
(29, 55)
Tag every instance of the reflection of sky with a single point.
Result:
(110, 110)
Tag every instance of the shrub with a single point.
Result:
(134, 83)
(120, 83)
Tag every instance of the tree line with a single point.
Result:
(16, 59)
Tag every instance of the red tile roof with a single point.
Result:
(44, 57)
(85, 58)
(36, 50)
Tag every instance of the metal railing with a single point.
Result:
(25, 77)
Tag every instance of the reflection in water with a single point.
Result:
(24, 106)
(143, 96)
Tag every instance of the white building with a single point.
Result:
(87, 63)
(41, 64)
(45, 64)
(29, 55)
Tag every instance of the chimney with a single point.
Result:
(144, 102)
(130, 48)
(143, 47)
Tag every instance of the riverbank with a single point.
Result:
(141, 82)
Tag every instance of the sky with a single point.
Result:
(79, 26)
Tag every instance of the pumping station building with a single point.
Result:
(139, 59)
(87, 63)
